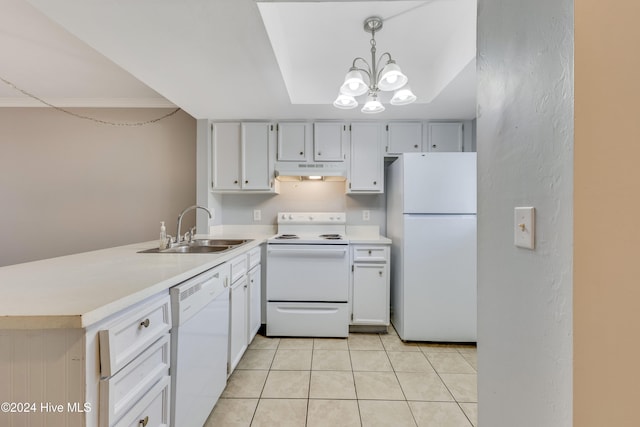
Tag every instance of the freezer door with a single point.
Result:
(439, 298)
(440, 183)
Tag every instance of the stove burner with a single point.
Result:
(331, 236)
(287, 236)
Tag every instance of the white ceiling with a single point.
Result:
(216, 59)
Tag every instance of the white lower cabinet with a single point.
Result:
(254, 311)
(370, 285)
(134, 362)
(245, 304)
(237, 322)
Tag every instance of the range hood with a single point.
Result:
(296, 171)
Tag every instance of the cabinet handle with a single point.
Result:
(145, 323)
(245, 286)
(302, 153)
(369, 252)
(380, 273)
(143, 422)
(415, 146)
(246, 182)
(235, 182)
(434, 146)
(319, 153)
(375, 182)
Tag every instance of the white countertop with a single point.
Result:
(76, 291)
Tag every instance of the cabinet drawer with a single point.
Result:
(254, 257)
(152, 410)
(370, 254)
(238, 267)
(132, 332)
(119, 392)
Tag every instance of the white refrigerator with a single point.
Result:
(431, 219)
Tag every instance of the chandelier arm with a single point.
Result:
(378, 64)
(367, 71)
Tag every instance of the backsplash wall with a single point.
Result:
(312, 196)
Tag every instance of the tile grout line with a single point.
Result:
(447, 386)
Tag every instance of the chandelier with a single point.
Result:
(388, 78)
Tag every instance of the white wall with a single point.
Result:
(525, 150)
(69, 185)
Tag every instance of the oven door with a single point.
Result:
(308, 273)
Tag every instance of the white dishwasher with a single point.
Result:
(199, 344)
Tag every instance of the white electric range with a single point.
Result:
(308, 276)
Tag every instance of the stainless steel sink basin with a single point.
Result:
(200, 246)
(195, 249)
(217, 242)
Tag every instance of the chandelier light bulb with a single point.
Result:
(403, 96)
(345, 102)
(392, 77)
(372, 105)
(354, 84)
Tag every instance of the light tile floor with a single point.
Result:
(364, 380)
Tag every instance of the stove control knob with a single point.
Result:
(310, 218)
(284, 216)
(290, 217)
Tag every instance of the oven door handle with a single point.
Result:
(308, 252)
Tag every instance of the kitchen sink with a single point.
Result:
(217, 242)
(199, 246)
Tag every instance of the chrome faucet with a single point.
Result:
(178, 237)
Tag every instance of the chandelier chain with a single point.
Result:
(81, 116)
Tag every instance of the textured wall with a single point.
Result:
(525, 158)
(69, 185)
(607, 203)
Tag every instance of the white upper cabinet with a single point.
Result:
(243, 156)
(225, 153)
(292, 141)
(404, 137)
(366, 162)
(257, 156)
(328, 141)
(445, 136)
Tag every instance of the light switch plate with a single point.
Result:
(257, 214)
(366, 215)
(524, 227)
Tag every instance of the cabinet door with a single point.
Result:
(445, 136)
(370, 301)
(225, 152)
(404, 137)
(328, 141)
(257, 161)
(367, 163)
(254, 303)
(292, 141)
(237, 322)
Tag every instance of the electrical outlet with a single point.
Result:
(366, 215)
(257, 214)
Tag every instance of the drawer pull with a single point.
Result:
(146, 324)
(143, 422)
(380, 273)
(369, 251)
